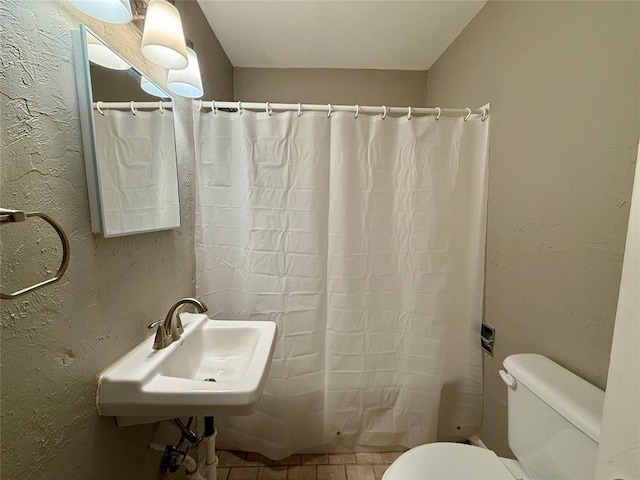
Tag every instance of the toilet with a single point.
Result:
(554, 426)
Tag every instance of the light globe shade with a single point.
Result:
(112, 11)
(163, 39)
(152, 89)
(187, 82)
(102, 55)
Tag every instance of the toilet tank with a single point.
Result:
(554, 419)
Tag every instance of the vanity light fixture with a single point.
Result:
(112, 11)
(187, 82)
(163, 39)
(102, 55)
(151, 88)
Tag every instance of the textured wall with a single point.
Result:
(563, 79)
(309, 85)
(56, 340)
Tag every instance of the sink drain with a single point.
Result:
(210, 379)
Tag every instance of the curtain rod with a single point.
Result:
(355, 109)
(133, 106)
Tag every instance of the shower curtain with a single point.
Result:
(363, 239)
(137, 172)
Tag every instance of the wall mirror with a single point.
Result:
(129, 142)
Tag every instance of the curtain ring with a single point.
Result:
(409, 115)
(160, 107)
(200, 106)
(357, 111)
(214, 109)
(384, 112)
(99, 108)
(299, 109)
(133, 108)
(466, 117)
(485, 114)
(240, 109)
(268, 109)
(329, 111)
(439, 113)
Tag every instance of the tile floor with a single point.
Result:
(335, 466)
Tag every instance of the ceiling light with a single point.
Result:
(187, 82)
(151, 88)
(102, 55)
(112, 11)
(163, 39)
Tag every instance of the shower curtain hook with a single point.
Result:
(268, 109)
(299, 109)
(98, 108)
(439, 113)
(357, 111)
(240, 109)
(384, 112)
(409, 115)
(485, 114)
(133, 108)
(329, 111)
(160, 107)
(200, 106)
(214, 109)
(466, 117)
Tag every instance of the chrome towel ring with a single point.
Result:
(13, 216)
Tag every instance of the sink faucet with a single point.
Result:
(169, 330)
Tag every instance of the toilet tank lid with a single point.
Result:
(571, 396)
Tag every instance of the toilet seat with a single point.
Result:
(448, 461)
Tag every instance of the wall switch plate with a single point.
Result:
(487, 338)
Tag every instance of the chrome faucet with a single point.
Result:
(169, 330)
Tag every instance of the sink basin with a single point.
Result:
(218, 367)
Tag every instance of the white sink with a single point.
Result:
(147, 385)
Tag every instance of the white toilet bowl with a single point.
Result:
(453, 461)
(554, 428)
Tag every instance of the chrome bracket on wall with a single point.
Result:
(13, 216)
(487, 338)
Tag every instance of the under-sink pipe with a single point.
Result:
(209, 427)
(158, 447)
(189, 464)
(191, 469)
(211, 460)
(208, 468)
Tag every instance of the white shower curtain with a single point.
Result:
(363, 239)
(137, 171)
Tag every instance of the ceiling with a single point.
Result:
(370, 34)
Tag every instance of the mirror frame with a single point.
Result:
(89, 138)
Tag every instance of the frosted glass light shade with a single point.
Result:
(163, 39)
(102, 55)
(152, 89)
(112, 11)
(187, 82)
